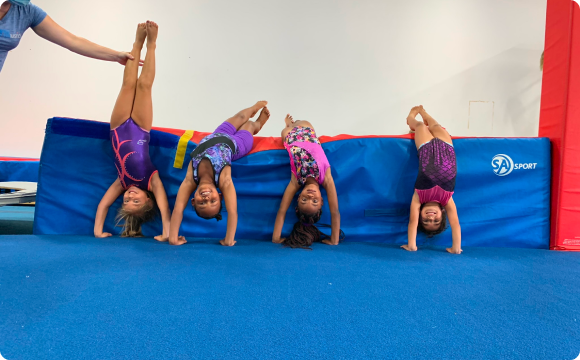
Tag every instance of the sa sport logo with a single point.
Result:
(503, 165)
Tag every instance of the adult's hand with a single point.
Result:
(122, 58)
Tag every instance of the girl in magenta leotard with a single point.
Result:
(310, 170)
(432, 201)
(131, 122)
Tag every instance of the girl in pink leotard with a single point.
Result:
(310, 170)
(131, 121)
(432, 203)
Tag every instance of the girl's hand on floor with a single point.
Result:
(161, 238)
(180, 241)
(454, 251)
(103, 235)
(278, 241)
(224, 243)
(408, 248)
(329, 242)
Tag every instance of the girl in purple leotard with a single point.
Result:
(432, 201)
(131, 122)
(310, 170)
(210, 169)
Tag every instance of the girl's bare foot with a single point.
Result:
(152, 29)
(289, 120)
(257, 107)
(140, 36)
(415, 110)
(411, 121)
(264, 116)
(408, 248)
(425, 116)
(260, 104)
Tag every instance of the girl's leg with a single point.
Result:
(124, 104)
(434, 127)
(291, 124)
(143, 108)
(422, 134)
(289, 121)
(255, 126)
(243, 116)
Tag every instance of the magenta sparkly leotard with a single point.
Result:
(131, 146)
(437, 172)
(307, 158)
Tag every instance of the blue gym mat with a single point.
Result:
(77, 297)
(502, 192)
(12, 170)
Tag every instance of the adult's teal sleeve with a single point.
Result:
(37, 15)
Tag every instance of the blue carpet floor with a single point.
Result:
(70, 297)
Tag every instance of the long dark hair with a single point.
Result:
(305, 232)
(132, 221)
(442, 225)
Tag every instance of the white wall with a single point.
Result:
(347, 66)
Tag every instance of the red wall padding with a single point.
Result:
(560, 119)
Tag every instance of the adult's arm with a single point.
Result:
(51, 31)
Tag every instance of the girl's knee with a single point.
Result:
(128, 84)
(143, 84)
(420, 126)
(249, 126)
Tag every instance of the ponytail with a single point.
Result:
(305, 232)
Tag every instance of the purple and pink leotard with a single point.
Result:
(131, 147)
(307, 158)
(220, 153)
(437, 172)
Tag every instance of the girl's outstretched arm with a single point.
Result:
(451, 210)
(115, 190)
(333, 205)
(187, 188)
(413, 222)
(289, 193)
(162, 204)
(231, 200)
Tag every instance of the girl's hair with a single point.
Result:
(439, 230)
(217, 216)
(132, 221)
(305, 233)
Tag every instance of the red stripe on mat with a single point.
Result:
(17, 159)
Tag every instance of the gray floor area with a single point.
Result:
(16, 220)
